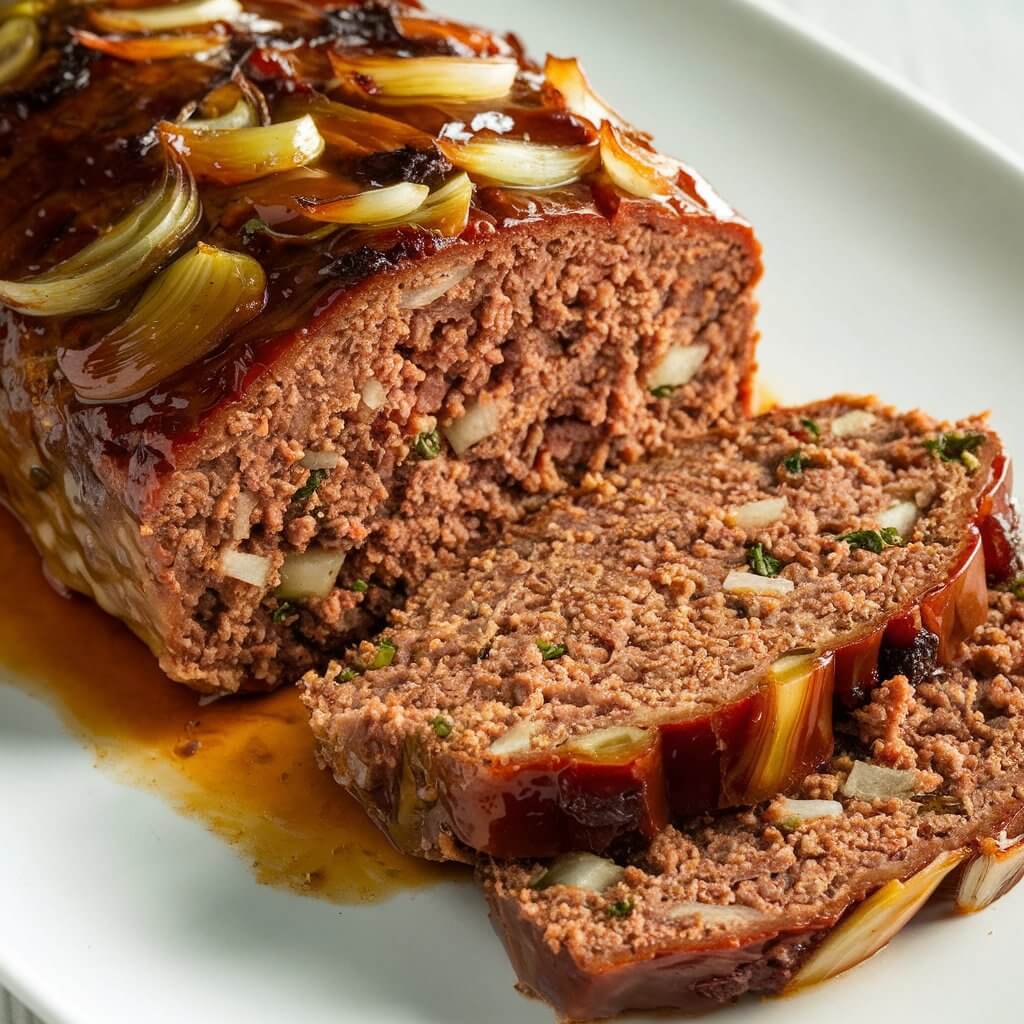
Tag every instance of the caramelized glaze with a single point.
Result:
(242, 766)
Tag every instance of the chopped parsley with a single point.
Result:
(796, 462)
(348, 675)
(252, 227)
(442, 727)
(282, 611)
(427, 445)
(663, 390)
(811, 427)
(761, 563)
(386, 650)
(621, 908)
(1016, 587)
(359, 586)
(550, 651)
(951, 447)
(308, 489)
(873, 540)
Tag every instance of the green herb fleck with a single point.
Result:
(282, 611)
(663, 390)
(796, 462)
(550, 651)
(347, 675)
(957, 448)
(252, 227)
(790, 823)
(442, 727)
(873, 540)
(621, 908)
(359, 586)
(427, 445)
(308, 489)
(1016, 587)
(811, 427)
(761, 563)
(386, 650)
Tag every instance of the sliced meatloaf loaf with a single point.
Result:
(295, 299)
(930, 779)
(667, 639)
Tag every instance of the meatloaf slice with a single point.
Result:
(462, 282)
(666, 640)
(928, 778)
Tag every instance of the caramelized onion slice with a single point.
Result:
(160, 19)
(631, 167)
(392, 203)
(568, 77)
(467, 79)
(19, 47)
(242, 115)
(143, 48)
(469, 37)
(117, 261)
(185, 312)
(445, 210)
(523, 164)
(245, 154)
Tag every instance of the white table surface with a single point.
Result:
(963, 53)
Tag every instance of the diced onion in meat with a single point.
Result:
(632, 168)
(873, 781)
(806, 810)
(245, 505)
(715, 914)
(159, 19)
(478, 422)
(755, 515)
(240, 565)
(678, 366)
(865, 931)
(995, 870)
(418, 298)
(615, 743)
(19, 48)
(738, 582)
(466, 79)
(515, 741)
(568, 77)
(372, 394)
(853, 424)
(900, 517)
(310, 573)
(370, 207)
(245, 154)
(580, 871)
(522, 164)
(321, 460)
(141, 49)
(118, 260)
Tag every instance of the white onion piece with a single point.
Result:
(466, 79)
(580, 871)
(865, 931)
(321, 460)
(372, 394)
(479, 421)
(873, 781)
(755, 515)
(715, 914)
(241, 526)
(242, 115)
(612, 743)
(310, 573)
(806, 810)
(853, 424)
(19, 47)
(241, 565)
(678, 366)
(996, 869)
(738, 582)
(900, 517)
(523, 164)
(158, 19)
(417, 298)
(568, 77)
(516, 740)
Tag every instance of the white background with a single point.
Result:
(964, 53)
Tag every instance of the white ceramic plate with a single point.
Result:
(894, 247)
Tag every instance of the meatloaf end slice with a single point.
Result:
(667, 639)
(930, 780)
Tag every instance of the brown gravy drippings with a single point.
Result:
(242, 766)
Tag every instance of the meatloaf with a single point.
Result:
(296, 298)
(667, 639)
(928, 779)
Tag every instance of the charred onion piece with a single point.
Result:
(568, 77)
(118, 260)
(446, 209)
(994, 871)
(631, 167)
(143, 48)
(184, 313)
(160, 19)
(865, 931)
(467, 79)
(245, 154)
(523, 164)
(19, 47)
(392, 203)
(472, 39)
